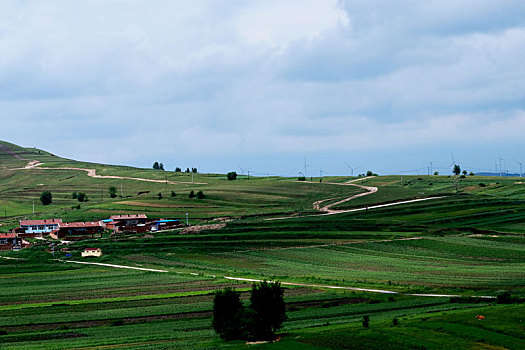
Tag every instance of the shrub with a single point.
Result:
(366, 321)
(232, 175)
(200, 195)
(46, 198)
(112, 191)
(82, 197)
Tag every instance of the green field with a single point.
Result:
(468, 242)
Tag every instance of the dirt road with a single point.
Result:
(93, 173)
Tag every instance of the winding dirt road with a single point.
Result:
(93, 173)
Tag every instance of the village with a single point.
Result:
(73, 231)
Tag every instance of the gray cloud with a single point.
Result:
(266, 80)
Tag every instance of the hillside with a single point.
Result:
(417, 250)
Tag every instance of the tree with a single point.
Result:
(156, 166)
(74, 195)
(173, 194)
(457, 169)
(82, 197)
(161, 166)
(232, 175)
(200, 195)
(159, 195)
(187, 170)
(228, 314)
(46, 198)
(192, 194)
(436, 173)
(267, 302)
(112, 191)
(366, 321)
(194, 170)
(369, 173)
(178, 170)
(464, 172)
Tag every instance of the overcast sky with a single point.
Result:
(264, 85)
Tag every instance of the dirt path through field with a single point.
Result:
(93, 173)
(241, 279)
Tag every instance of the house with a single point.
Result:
(97, 252)
(108, 224)
(8, 241)
(78, 230)
(31, 228)
(130, 223)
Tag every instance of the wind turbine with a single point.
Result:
(520, 163)
(242, 170)
(306, 166)
(352, 169)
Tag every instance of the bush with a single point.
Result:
(46, 198)
(200, 195)
(112, 191)
(81, 197)
(366, 321)
(192, 194)
(232, 175)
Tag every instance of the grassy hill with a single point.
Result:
(467, 242)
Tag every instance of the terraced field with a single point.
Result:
(469, 243)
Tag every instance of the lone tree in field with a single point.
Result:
(232, 175)
(161, 166)
(228, 314)
(457, 169)
(156, 166)
(46, 198)
(112, 191)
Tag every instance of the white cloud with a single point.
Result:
(234, 78)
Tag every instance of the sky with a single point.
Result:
(267, 85)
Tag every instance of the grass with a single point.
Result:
(467, 243)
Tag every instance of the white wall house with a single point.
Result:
(40, 226)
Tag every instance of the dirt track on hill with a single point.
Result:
(93, 173)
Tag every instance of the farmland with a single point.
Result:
(467, 243)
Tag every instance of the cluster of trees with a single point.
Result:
(199, 195)
(258, 321)
(179, 170)
(158, 166)
(80, 196)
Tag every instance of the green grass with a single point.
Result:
(468, 243)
